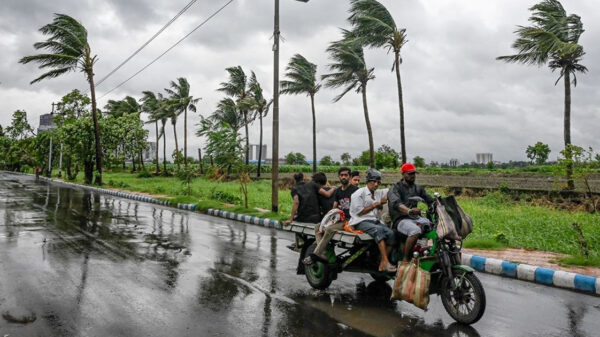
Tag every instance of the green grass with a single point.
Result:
(530, 227)
(496, 216)
(483, 244)
(579, 261)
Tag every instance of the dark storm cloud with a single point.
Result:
(459, 100)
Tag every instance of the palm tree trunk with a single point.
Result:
(157, 140)
(164, 150)
(176, 146)
(401, 105)
(90, 76)
(260, 141)
(185, 138)
(568, 152)
(368, 122)
(314, 135)
(247, 137)
(142, 161)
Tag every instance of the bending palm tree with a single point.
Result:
(261, 108)
(375, 27)
(553, 39)
(69, 51)
(302, 76)
(350, 71)
(163, 113)
(237, 88)
(172, 111)
(150, 105)
(180, 95)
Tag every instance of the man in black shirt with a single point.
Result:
(341, 199)
(306, 203)
(406, 216)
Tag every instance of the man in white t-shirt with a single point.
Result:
(365, 205)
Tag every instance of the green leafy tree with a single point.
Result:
(224, 145)
(179, 94)
(350, 72)
(69, 50)
(581, 161)
(295, 159)
(538, 153)
(419, 161)
(346, 158)
(553, 39)
(375, 27)
(19, 127)
(326, 161)
(302, 80)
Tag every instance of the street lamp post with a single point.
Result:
(275, 153)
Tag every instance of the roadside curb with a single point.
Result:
(525, 272)
(545, 276)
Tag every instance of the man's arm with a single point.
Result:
(395, 201)
(327, 194)
(294, 210)
(428, 198)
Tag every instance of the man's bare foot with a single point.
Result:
(387, 267)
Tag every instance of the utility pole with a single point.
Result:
(275, 153)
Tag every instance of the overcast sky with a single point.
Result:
(458, 99)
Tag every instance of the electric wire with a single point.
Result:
(147, 42)
(170, 48)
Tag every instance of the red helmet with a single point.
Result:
(408, 168)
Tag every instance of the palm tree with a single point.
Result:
(164, 113)
(227, 111)
(69, 50)
(376, 27)
(302, 76)
(350, 71)
(260, 105)
(553, 39)
(180, 95)
(237, 87)
(150, 105)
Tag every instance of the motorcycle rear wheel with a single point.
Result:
(318, 274)
(466, 304)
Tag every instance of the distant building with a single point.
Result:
(484, 158)
(46, 122)
(454, 162)
(150, 153)
(253, 153)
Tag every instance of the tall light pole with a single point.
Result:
(275, 154)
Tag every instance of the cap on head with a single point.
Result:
(373, 175)
(408, 168)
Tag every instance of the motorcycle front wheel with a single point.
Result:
(466, 302)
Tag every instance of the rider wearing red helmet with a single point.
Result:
(406, 216)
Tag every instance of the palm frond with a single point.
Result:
(52, 74)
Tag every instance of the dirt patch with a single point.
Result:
(534, 258)
(139, 193)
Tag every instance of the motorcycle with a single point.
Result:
(461, 292)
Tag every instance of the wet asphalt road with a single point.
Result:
(74, 263)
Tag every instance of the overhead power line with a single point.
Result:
(147, 42)
(173, 46)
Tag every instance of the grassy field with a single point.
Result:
(499, 221)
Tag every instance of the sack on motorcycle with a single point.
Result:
(422, 281)
(462, 221)
(404, 284)
(412, 284)
(446, 227)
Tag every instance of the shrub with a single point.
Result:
(144, 174)
(226, 197)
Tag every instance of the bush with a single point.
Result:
(226, 197)
(144, 174)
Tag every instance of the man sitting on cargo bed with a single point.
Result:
(365, 206)
(306, 206)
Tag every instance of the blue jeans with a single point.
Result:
(377, 231)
